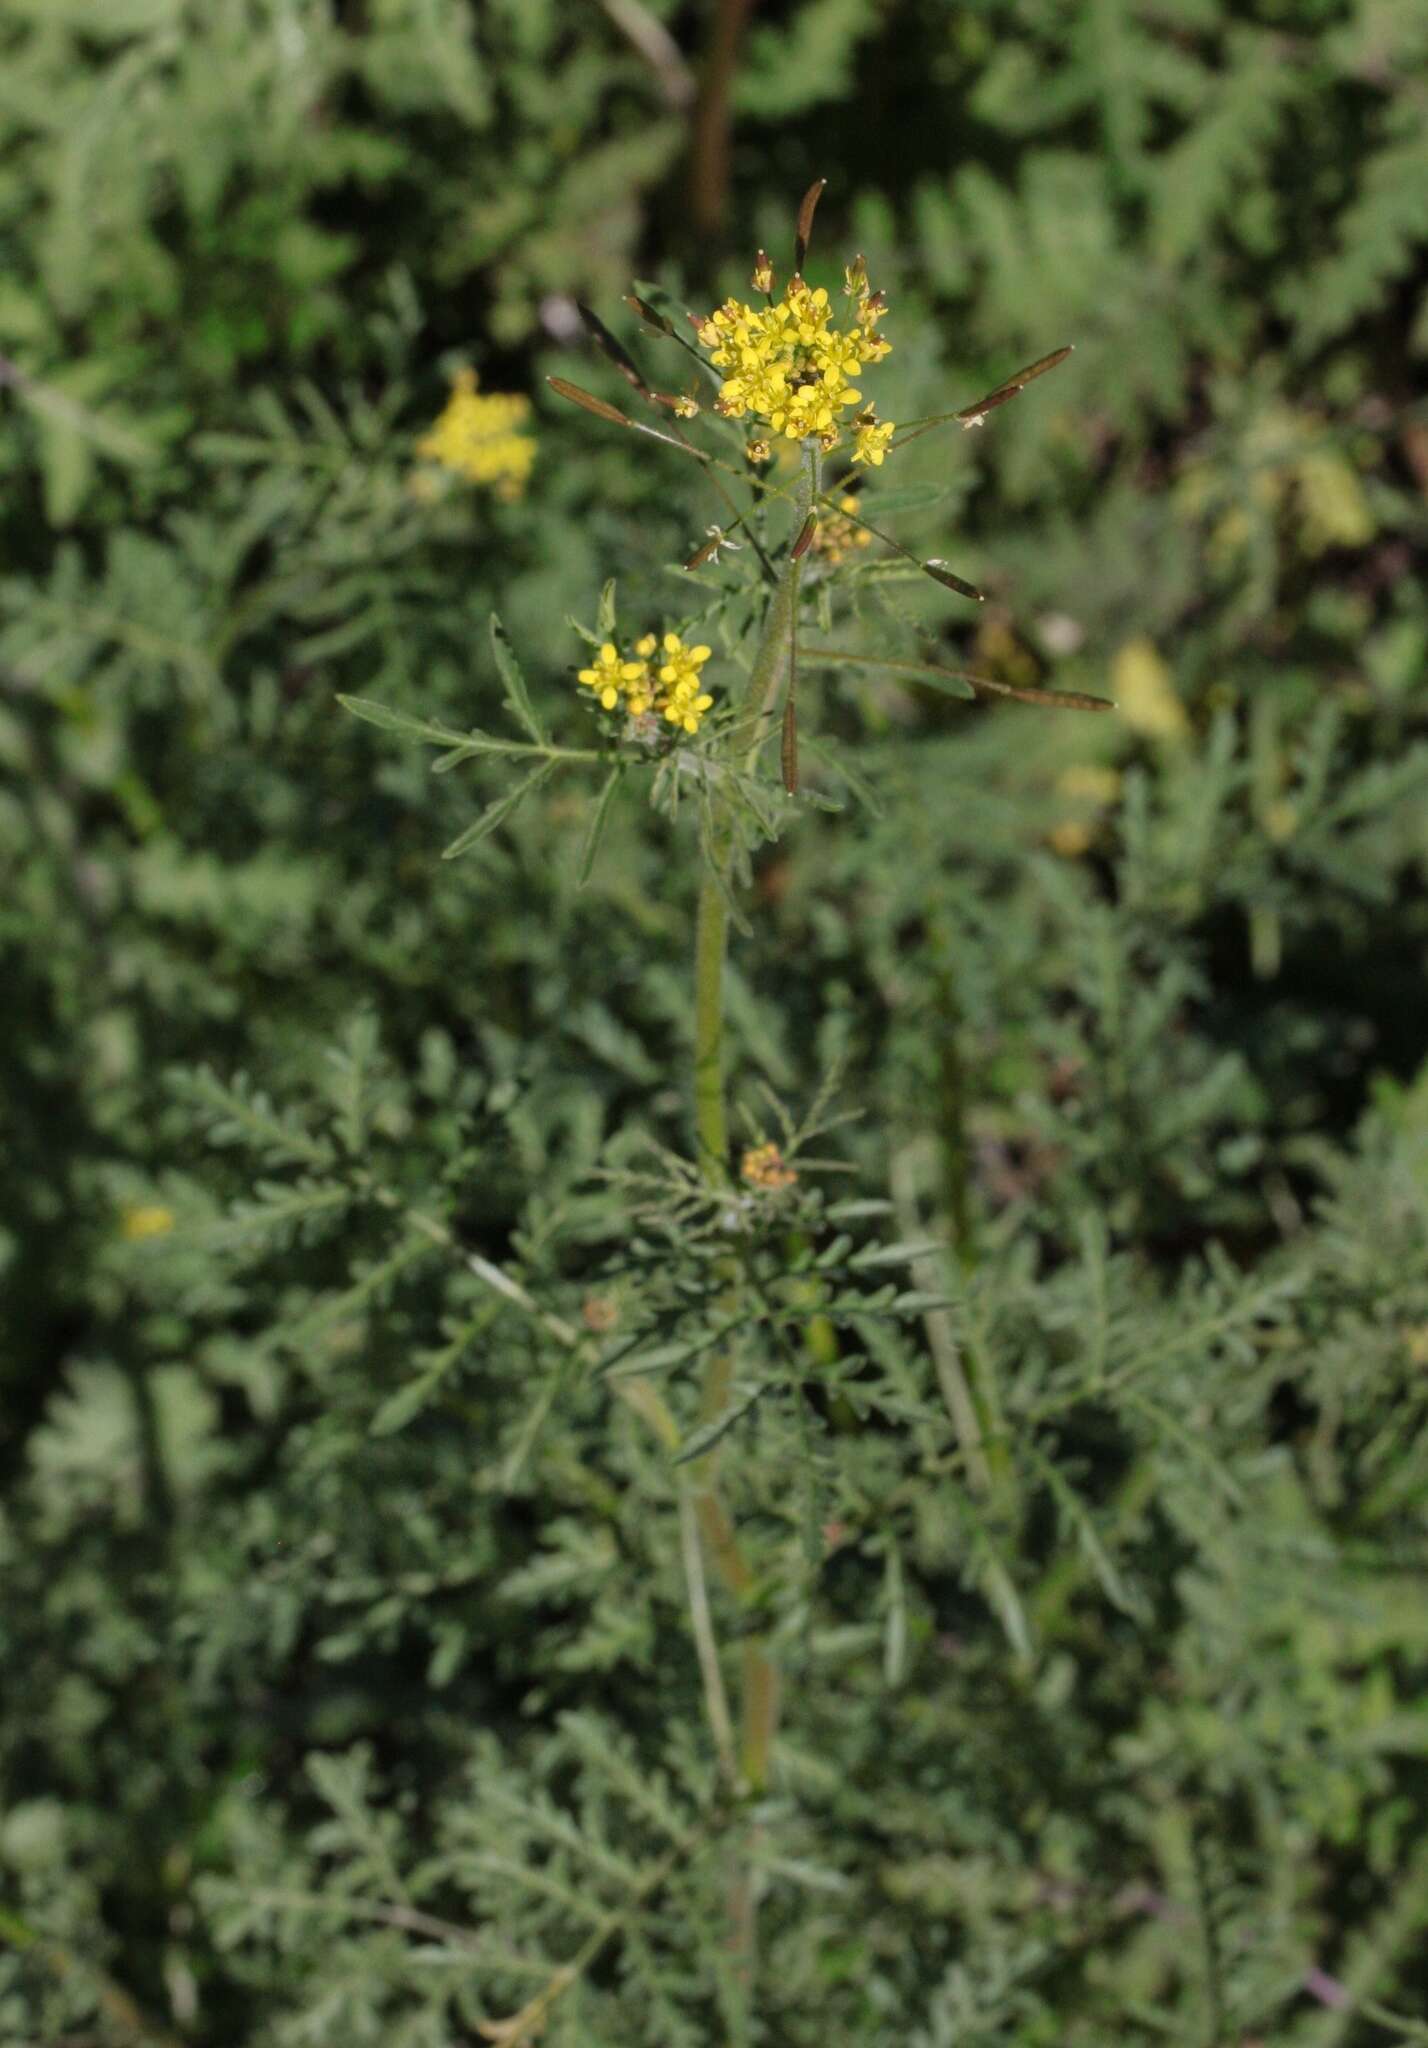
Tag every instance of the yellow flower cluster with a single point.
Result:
(476, 436)
(662, 676)
(788, 367)
(763, 1167)
(839, 534)
(144, 1220)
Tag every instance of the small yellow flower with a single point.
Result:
(1071, 838)
(686, 408)
(786, 365)
(764, 1168)
(681, 664)
(758, 451)
(611, 678)
(476, 436)
(870, 440)
(146, 1220)
(684, 703)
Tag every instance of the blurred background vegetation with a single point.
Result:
(1134, 1007)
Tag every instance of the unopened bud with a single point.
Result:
(763, 277)
(855, 278)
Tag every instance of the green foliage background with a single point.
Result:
(347, 1677)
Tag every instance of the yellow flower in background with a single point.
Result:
(786, 365)
(1087, 782)
(477, 438)
(838, 533)
(763, 1167)
(1145, 691)
(144, 1220)
(1092, 789)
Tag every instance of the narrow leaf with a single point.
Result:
(705, 1438)
(401, 723)
(476, 743)
(400, 1408)
(895, 1634)
(898, 1254)
(517, 695)
(597, 826)
(497, 812)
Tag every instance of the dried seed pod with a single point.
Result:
(940, 573)
(806, 211)
(589, 401)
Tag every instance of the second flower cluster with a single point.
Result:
(658, 677)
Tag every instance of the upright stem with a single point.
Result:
(711, 935)
(759, 1674)
(711, 941)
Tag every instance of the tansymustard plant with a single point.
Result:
(785, 372)
(477, 436)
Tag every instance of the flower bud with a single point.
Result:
(763, 277)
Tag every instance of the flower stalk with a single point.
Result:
(759, 1688)
(711, 943)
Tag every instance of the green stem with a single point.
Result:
(711, 937)
(711, 940)
(759, 1674)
